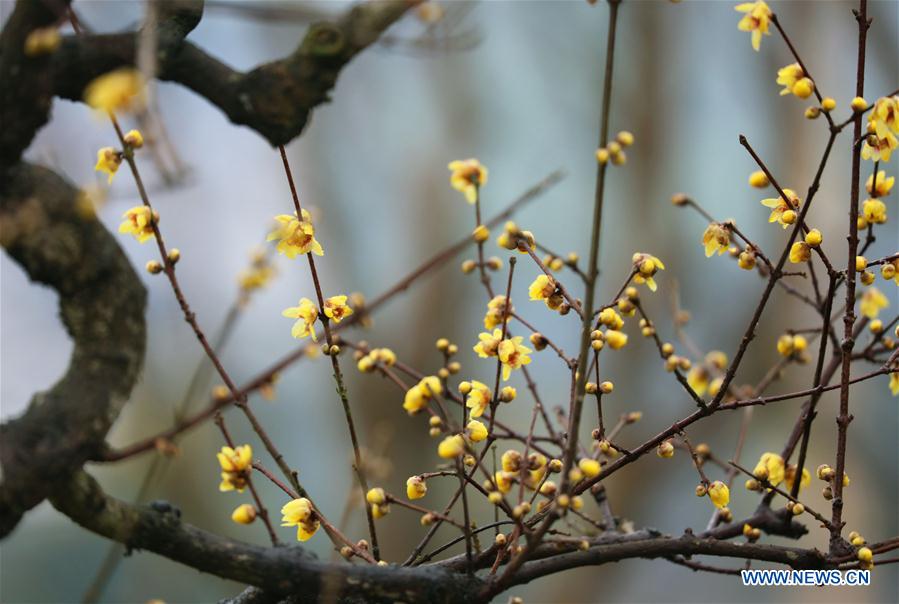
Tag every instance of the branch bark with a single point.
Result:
(102, 304)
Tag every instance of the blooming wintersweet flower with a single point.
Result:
(770, 467)
(800, 252)
(756, 20)
(119, 90)
(716, 239)
(884, 184)
(779, 207)
(790, 476)
(300, 513)
(337, 309)
(496, 311)
(872, 302)
(878, 148)
(418, 396)
(719, 494)
(478, 399)
(468, 175)
(306, 314)
(647, 266)
(108, 162)
(545, 288)
(295, 235)
(884, 117)
(235, 464)
(874, 211)
(138, 222)
(488, 344)
(793, 79)
(513, 355)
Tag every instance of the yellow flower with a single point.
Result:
(235, 463)
(719, 494)
(790, 476)
(122, 89)
(878, 148)
(504, 480)
(306, 314)
(489, 343)
(885, 116)
(590, 467)
(418, 396)
(416, 487)
(758, 179)
(244, 514)
(646, 266)
(134, 139)
(610, 318)
(779, 206)
(698, 379)
(477, 431)
(513, 355)
(295, 236)
(138, 222)
(716, 239)
(299, 513)
(616, 339)
(771, 468)
(884, 184)
(258, 275)
(337, 309)
(468, 175)
(496, 310)
(451, 447)
(756, 20)
(478, 398)
(42, 41)
(874, 211)
(872, 301)
(545, 288)
(108, 161)
(800, 252)
(794, 81)
(894, 383)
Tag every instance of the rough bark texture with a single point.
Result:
(101, 302)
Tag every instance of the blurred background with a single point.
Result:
(516, 85)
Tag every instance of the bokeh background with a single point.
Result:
(516, 85)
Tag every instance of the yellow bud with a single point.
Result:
(468, 266)
(590, 467)
(134, 139)
(481, 233)
(376, 496)
(804, 88)
(788, 217)
(680, 199)
(174, 255)
(625, 138)
(606, 387)
(590, 388)
(602, 156)
(665, 450)
(758, 179)
(154, 267)
(828, 104)
(442, 344)
(244, 514)
(865, 554)
(813, 238)
(858, 104)
(861, 263)
(812, 113)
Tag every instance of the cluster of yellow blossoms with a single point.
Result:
(235, 465)
(468, 176)
(614, 150)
